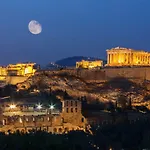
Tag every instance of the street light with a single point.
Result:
(39, 106)
(51, 107)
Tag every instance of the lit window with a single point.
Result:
(71, 103)
(67, 110)
(62, 120)
(60, 130)
(4, 122)
(66, 129)
(20, 120)
(71, 109)
(55, 129)
(66, 103)
(76, 103)
(33, 119)
(42, 119)
(48, 119)
(82, 120)
(76, 109)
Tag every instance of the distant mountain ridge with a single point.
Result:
(71, 61)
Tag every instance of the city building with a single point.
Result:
(27, 117)
(89, 64)
(127, 57)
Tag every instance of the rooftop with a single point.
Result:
(123, 48)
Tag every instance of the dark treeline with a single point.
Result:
(125, 135)
(44, 141)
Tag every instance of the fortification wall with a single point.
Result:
(93, 75)
(106, 73)
(85, 74)
(133, 72)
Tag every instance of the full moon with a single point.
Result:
(35, 27)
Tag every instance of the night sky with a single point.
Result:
(71, 28)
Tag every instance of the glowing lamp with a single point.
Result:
(39, 106)
(51, 107)
(12, 106)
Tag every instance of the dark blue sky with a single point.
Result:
(71, 28)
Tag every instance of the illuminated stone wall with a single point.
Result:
(22, 69)
(136, 72)
(13, 74)
(64, 122)
(128, 72)
(3, 71)
(71, 113)
(86, 74)
(127, 57)
(89, 64)
(92, 75)
(17, 73)
(47, 123)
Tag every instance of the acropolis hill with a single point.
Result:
(125, 68)
(124, 62)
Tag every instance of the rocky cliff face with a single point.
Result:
(103, 91)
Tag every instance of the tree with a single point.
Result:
(110, 106)
(122, 101)
(129, 103)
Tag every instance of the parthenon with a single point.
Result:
(127, 57)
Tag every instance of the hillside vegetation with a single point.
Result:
(77, 87)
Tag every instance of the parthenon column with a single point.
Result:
(130, 58)
(118, 57)
(116, 60)
(107, 58)
(144, 59)
(141, 59)
(127, 58)
(124, 58)
(112, 58)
